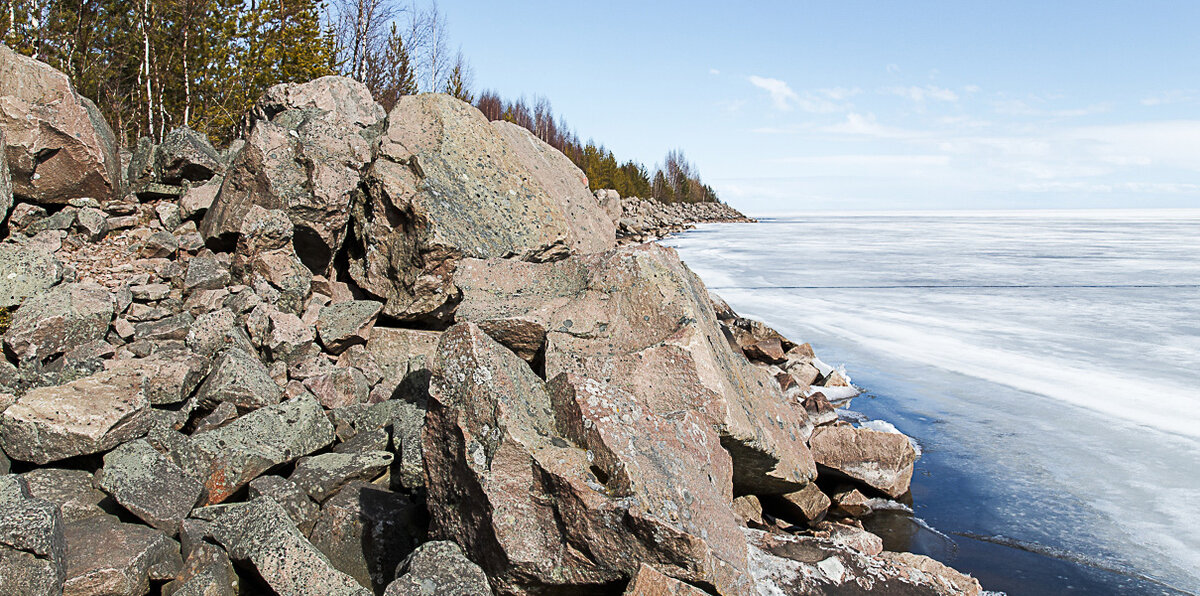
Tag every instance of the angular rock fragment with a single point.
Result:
(306, 147)
(32, 546)
(240, 378)
(173, 327)
(261, 534)
(25, 272)
(649, 582)
(149, 485)
(198, 199)
(339, 388)
(508, 464)
(170, 376)
(70, 490)
(207, 571)
(592, 230)
(806, 505)
(90, 415)
(186, 155)
(849, 502)
(346, 324)
(366, 531)
(445, 186)
(205, 272)
(254, 443)
(299, 506)
(51, 323)
(58, 145)
(439, 567)
(639, 318)
(320, 476)
(880, 460)
(105, 556)
(6, 196)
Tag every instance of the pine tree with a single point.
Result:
(393, 76)
(458, 81)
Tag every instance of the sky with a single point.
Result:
(789, 107)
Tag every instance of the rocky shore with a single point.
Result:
(401, 353)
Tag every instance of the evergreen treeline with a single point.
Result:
(153, 65)
(675, 181)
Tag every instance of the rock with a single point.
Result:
(67, 315)
(346, 324)
(173, 327)
(217, 331)
(849, 502)
(288, 337)
(92, 223)
(767, 350)
(367, 531)
(261, 534)
(6, 196)
(304, 153)
(240, 378)
(439, 567)
(640, 318)
(105, 556)
(947, 580)
(90, 415)
(198, 199)
(880, 460)
(186, 155)
(224, 412)
(820, 411)
(150, 292)
(160, 244)
(58, 145)
(207, 571)
(408, 429)
(852, 537)
(806, 505)
(168, 216)
(445, 186)
(205, 272)
(748, 509)
(592, 230)
(242, 450)
(149, 485)
(508, 476)
(32, 545)
(404, 356)
(363, 441)
(24, 273)
(298, 505)
(649, 582)
(69, 490)
(339, 388)
(525, 338)
(320, 476)
(610, 202)
(170, 376)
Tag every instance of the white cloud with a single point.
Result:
(920, 94)
(713, 71)
(781, 93)
(904, 160)
(972, 89)
(867, 125)
(1170, 97)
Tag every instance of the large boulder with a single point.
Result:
(304, 153)
(444, 186)
(640, 319)
(25, 271)
(32, 547)
(59, 146)
(105, 556)
(881, 460)
(592, 230)
(149, 485)
(366, 531)
(90, 415)
(574, 486)
(62, 318)
(185, 154)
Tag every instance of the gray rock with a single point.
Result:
(346, 324)
(366, 531)
(59, 146)
(240, 378)
(198, 199)
(170, 376)
(140, 170)
(90, 415)
(92, 223)
(6, 196)
(25, 272)
(149, 485)
(207, 571)
(186, 155)
(105, 556)
(159, 245)
(254, 443)
(305, 150)
(407, 435)
(439, 567)
(168, 216)
(363, 441)
(217, 331)
(51, 323)
(261, 534)
(32, 546)
(339, 388)
(322, 475)
(205, 272)
(299, 506)
(172, 327)
(150, 292)
(70, 490)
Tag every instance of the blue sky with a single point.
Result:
(795, 106)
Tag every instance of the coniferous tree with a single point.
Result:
(458, 83)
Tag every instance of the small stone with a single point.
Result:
(339, 388)
(198, 199)
(170, 376)
(347, 323)
(168, 215)
(150, 292)
(205, 272)
(216, 331)
(123, 328)
(149, 485)
(121, 222)
(850, 502)
(172, 327)
(224, 412)
(207, 571)
(322, 475)
(91, 222)
(160, 244)
(288, 336)
(748, 509)
(240, 378)
(806, 505)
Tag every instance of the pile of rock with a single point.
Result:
(369, 353)
(645, 220)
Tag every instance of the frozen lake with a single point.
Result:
(1048, 362)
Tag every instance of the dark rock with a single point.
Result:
(51, 323)
(149, 485)
(207, 571)
(160, 244)
(803, 506)
(105, 556)
(90, 415)
(367, 531)
(261, 534)
(172, 327)
(439, 567)
(849, 502)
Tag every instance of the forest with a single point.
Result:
(154, 65)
